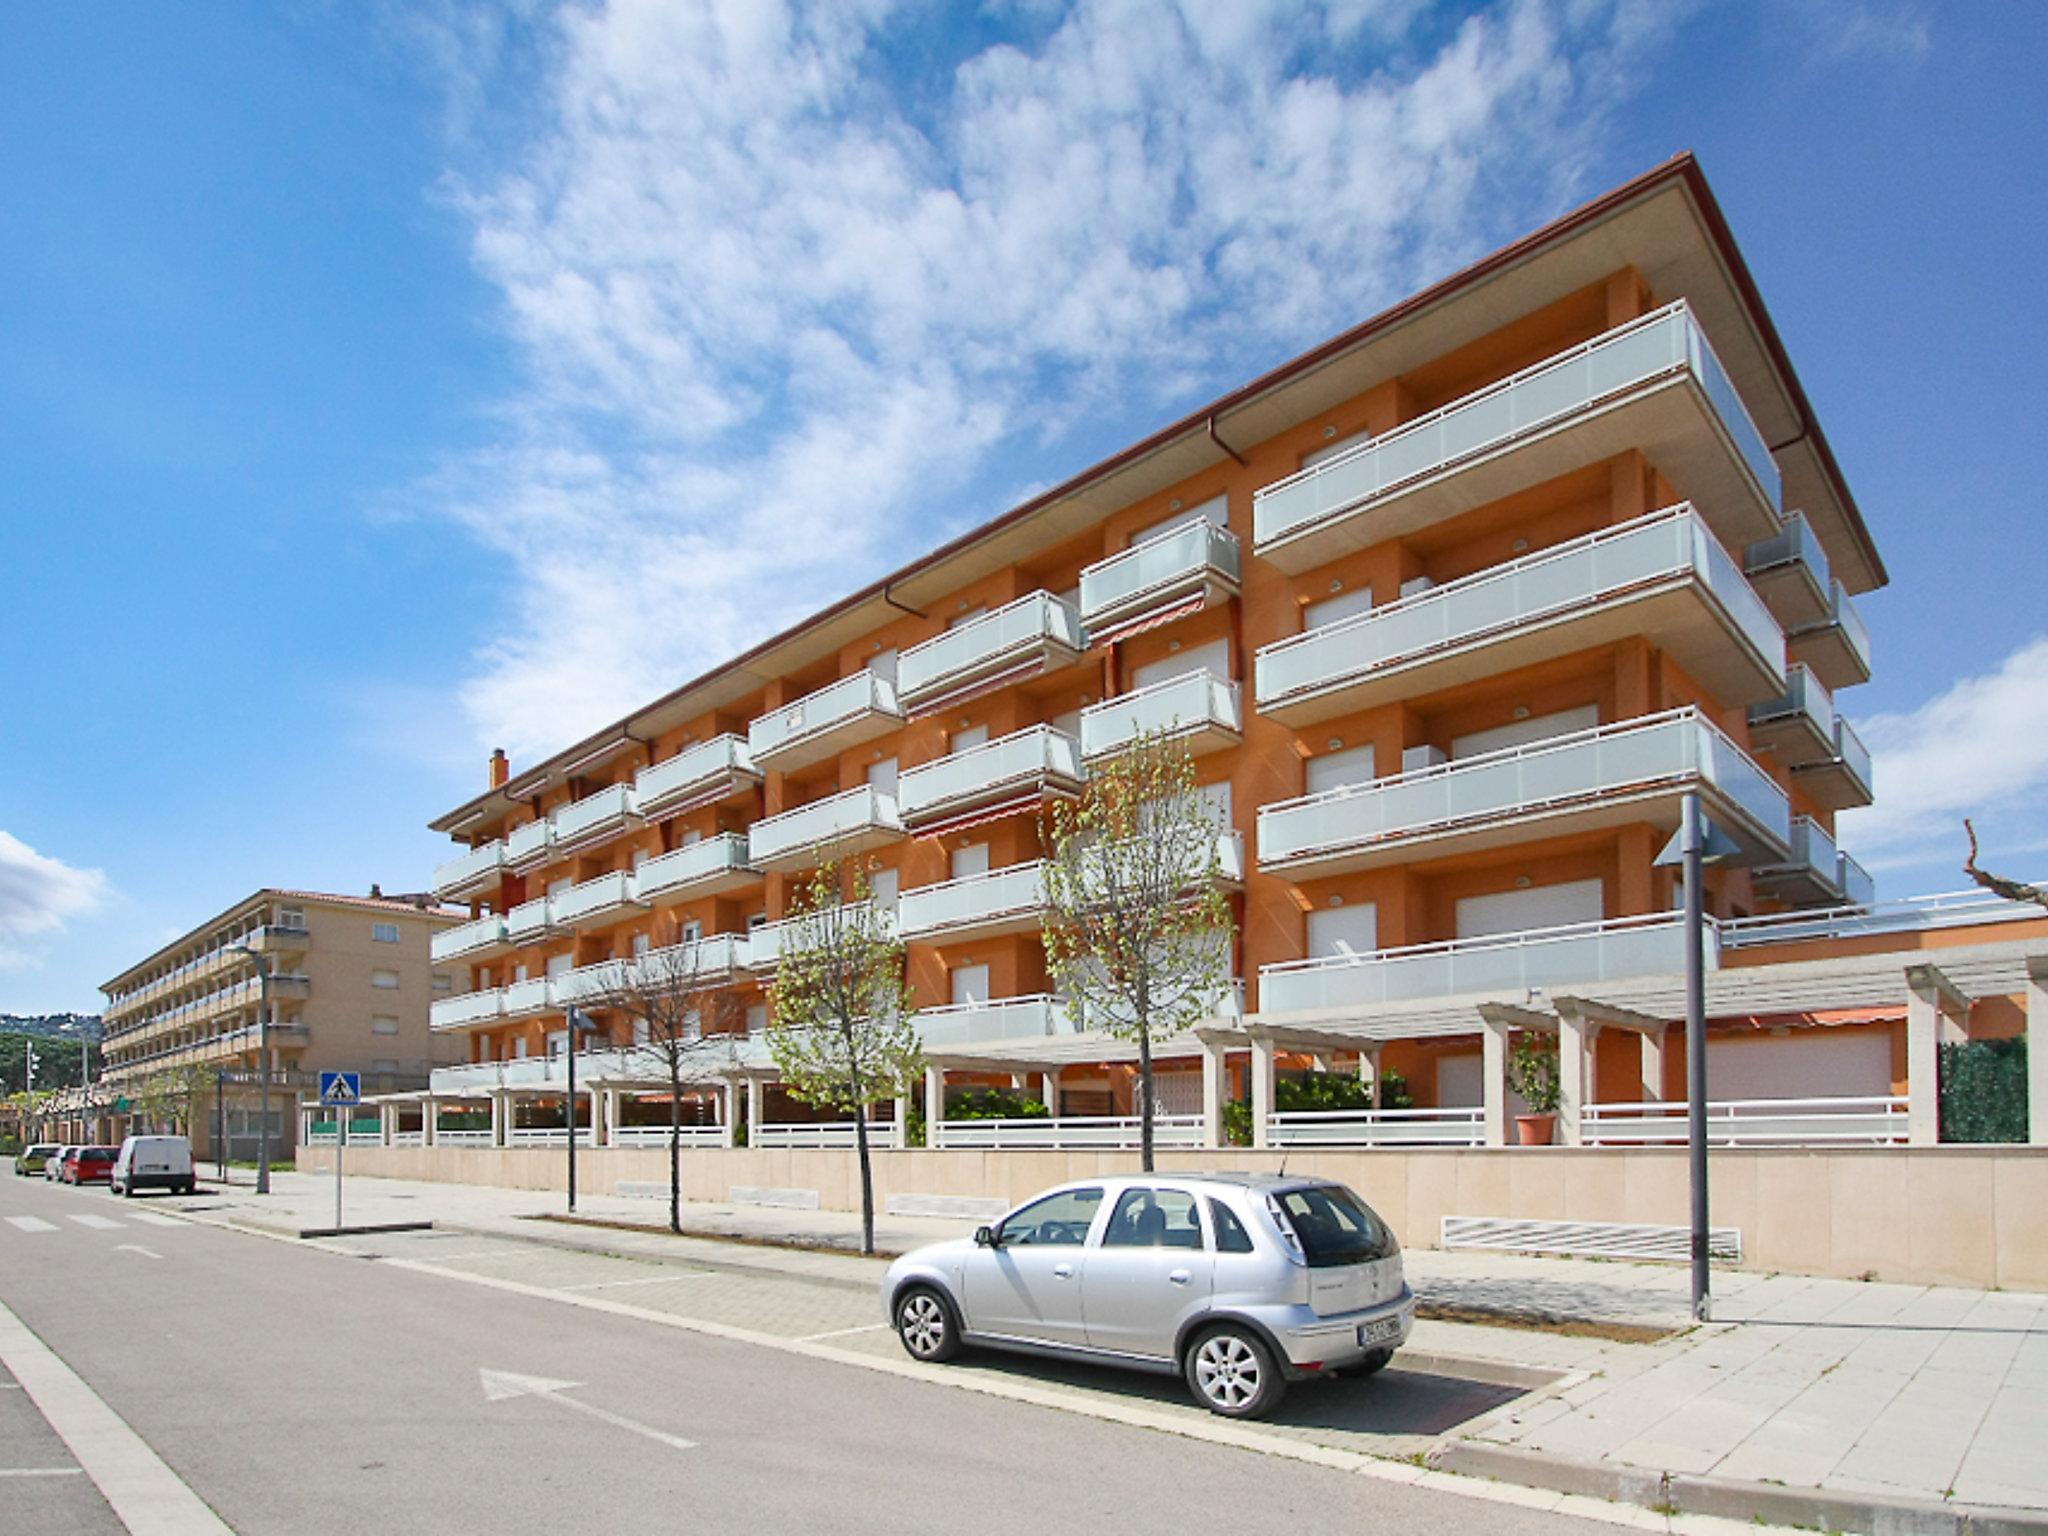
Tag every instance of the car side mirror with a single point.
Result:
(985, 1237)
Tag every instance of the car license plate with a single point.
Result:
(1385, 1331)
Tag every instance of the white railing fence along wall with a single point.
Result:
(1377, 1128)
(1752, 1122)
(1061, 1132)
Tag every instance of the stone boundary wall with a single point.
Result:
(1973, 1216)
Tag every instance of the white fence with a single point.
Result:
(1377, 1128)
(829, 1133)
(1069, 1131)
(1751, 1122)
(545, 1136)
(657, 1136)
(462, 1138)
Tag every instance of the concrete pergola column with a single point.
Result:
(1576, 1038)
(901, 1138)
(1262, 1088)
(1215, 1089)
(1369, 1069)
(600, 1117)
(1493, 1078)
(2037, 1051)
(755, 1096)
(729, 1110)
(1049, 1091)
(1653, 1063)
(1936, 1012)
(500, 1118)
(387, 1121)
(430, 1114)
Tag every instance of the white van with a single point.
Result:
(154, 1162)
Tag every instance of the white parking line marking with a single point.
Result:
(145, 1494)
(154, 1219)
(98, 1223)
(147, 1253)
(840, 1333)
(32, 1223)
(40, 1471)
(607, 1285)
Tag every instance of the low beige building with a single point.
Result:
(351, 981)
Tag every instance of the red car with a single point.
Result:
(90, 1165)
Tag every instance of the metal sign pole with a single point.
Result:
(341, 1115)
(1693, 849)
(571, 1114)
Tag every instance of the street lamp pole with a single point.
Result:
(577, 1024)
(262, 1061)
(1693, 850)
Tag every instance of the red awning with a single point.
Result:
(1101, 637)
(982, 815)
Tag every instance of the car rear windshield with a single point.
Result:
(1334, 1226)
(100, 1154)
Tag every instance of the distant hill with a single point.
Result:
(61, 1026)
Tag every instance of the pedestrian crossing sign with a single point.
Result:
(341, 1088)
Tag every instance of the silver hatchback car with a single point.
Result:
(1240, 1283)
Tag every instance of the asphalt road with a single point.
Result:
(297, 1390)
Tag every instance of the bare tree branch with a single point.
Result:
(1999, 885)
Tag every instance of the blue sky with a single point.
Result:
(382, 384)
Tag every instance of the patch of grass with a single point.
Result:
(1543, 1322)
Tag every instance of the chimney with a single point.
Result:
(376, 891)
(501, 768)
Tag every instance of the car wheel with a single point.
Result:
(924, 1322)
(1232, 1372)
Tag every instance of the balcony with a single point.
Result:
(850, 822)
(701, 774)
(1199, 710)
(479, 1007)
(823, 724)
(470, 941)
(1506, 966)
(709, 868)
(1036, 633)
(1837, 647)
(1178, 571)
(589, 986)
(716, 960)
(1610, 776)
(1843, 778)
(595, 818)
(530, 846)
(1664, 577)
(1798, 727)
(605, 899)
(1858, 889)
(764, 942)
(279, 939)
(1009, 1018)
(524, 999)
(975, 906)
(1653, 384)
(472, 873)
(530, 921)
(1813, 872)
(1790, 573)
(1017, 771)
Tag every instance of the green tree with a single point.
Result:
(844, 1033)
(1137, 930)
(58, 1061)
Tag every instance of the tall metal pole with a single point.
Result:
(220, 1122)
(262, 1060)
(571, 1115)
(1692, 846)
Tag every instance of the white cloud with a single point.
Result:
(794, 298)
(1977, 749)
(1897, 30)
(38, 895)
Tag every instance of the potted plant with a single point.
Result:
(1532, 1073)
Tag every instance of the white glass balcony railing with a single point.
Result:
(1508, 965)
(1026, 762)
(764, 942)
(1009, 1018)
(1837, 646)
(1799, 726)
(1634, 357)
(1194, 560)
(587, 986)
(1530, 791)
(1790, 572)
(842, 714)
(529, 920)
(486, 933)
(470, 1008)
(471, 871)
(713, 958)
(531, 844)
(1198, 708)
(718, 863)
(1036, 631)
(601, 899)
(848, 822)
(522, 999)
(699, 774)
(1812, 867)
(1000, 900)
(1855, 884)
(595, 816)
(1553, 602)
(1842, 778)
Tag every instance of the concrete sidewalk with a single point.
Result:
(1865, 1394)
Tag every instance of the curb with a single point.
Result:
(1734, 1499)
(673, 1260)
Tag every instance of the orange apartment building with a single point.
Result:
(1453, 611)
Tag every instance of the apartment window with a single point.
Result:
(693, 930)
(519, 971)
(386, 981)
(383, 1024)
(384, 933)
(291, 917)
(641, 944)
(443, 982)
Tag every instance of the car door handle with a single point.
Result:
(1179, 1277)
(1063, 1271)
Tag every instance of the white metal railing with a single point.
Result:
(1007, 1018)
(408, 1138)
(1676, 748)
(995, 896)
(468, 1008)
(1158, 570)
(534, 995)
(988, 644)
(716, 954)
(1795, 543)
(1652, 944)
(1376, 1128)
(591, 984)
(1022, 760)
(467, 938)
(1069, 1131)
(607, 807)
(545, 1136)
(1854, 755)
(1812, 855)
(461, 1138)
(831, 1133)
(1805, 695)
(1752, 1122)
(1854, 882)
(764, 942)
(598, 897)
(698, 769)
(529, 843)
(1192, 702)
(467, 869)
(714, 858)
(529, 920)
(657, 1135)
(1948, 909)
(1574, 576)
(862, 809)
(836, 704)
(1660, 343)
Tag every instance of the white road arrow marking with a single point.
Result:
(499, 1385)
(148, 1253)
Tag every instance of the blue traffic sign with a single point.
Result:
(341, 1088)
